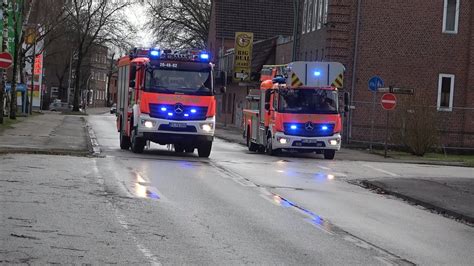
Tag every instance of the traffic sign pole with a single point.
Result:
(374, 84)
(389, 102)
(386, 134)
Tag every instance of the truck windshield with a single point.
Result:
(308, 101)
(178, 81)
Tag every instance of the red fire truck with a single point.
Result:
(166, 97)
(297, 109)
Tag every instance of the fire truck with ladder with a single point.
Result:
(297, 109)
(166, 97)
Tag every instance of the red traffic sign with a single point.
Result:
(389, 101)
(6, 60)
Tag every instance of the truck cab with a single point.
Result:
(166, 97)
(298, 110)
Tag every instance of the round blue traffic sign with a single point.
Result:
(375, 83)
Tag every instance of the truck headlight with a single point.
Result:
(282, 140)
(334, 142)
(207, 127)
(148, 123)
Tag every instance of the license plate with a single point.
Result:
(309, 141)
(178, 125)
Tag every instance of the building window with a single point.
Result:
(445, 92)
(305, 15)
(315, 16)
(320, 14)
(310, 16)
(451, 16)
(325, 12)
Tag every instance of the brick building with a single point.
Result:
(427, 46)
(267, 19)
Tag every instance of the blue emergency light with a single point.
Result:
(193, 111)
(324, 128)
(204, 56)
(155, 53)
(293, 127)
(317, 73)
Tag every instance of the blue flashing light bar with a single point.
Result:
(155, 53)
(204, 56)
(293, 127)
(163, 109)
(193, 111)
(324, 128)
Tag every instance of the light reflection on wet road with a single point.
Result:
(307, 190)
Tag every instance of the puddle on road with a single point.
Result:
(141, 188)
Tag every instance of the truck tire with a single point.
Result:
(124, 141)
(252, 146)
(269, 149)
(329, 154)
(178, 148)
(138, 144)
(204, 149)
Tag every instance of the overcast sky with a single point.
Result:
(137, 15)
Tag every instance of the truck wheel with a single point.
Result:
(204, 149)
(329, 154)
(178, 148)
(252, 146)
(269, 149)
(124, 141)
(138, 144)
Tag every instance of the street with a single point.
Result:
(236, 207)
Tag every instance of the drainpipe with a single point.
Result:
(354, 67)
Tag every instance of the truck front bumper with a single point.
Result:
(282, 141)
(165, 131)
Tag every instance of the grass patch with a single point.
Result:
(9, 123)
(467, 160)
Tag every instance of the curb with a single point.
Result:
(78, 153)
(443, 211)
(92, 142)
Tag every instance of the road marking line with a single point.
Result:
(381, 170)
(324, 168)
(121, 220)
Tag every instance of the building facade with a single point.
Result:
(427, 46)
(267, 20)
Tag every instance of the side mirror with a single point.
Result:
(132, 84)
(346, 101)
(267, 106)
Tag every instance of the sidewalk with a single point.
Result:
(48, 133)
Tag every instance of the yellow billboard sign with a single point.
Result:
(243, 56)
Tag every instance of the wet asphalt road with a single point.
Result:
(234, 208)
(240, 207)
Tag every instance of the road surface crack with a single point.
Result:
(25, 236)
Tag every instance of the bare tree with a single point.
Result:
(46, 15)
(182, 23)
(95, 22)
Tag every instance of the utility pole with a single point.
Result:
(3, 73)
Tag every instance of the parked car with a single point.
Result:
(113, 109)
(59, 106)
